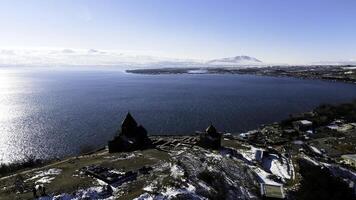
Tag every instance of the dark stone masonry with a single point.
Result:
(132, 137)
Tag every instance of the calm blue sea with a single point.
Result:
(58, 112)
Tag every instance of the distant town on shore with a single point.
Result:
(345, 73)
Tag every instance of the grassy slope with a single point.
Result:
(66, 182)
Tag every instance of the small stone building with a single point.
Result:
(303, 125)
(272, 191)
(210, 138)
(131, 137)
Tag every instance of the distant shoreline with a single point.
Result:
(341, 73)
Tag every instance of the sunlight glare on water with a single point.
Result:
(12, 110)
(50, 112)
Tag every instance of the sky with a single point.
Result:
(274, 31)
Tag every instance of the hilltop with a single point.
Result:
(237, 60)
(298, 158)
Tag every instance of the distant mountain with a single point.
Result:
(237, 60)
(89, 57)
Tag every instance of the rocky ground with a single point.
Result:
(306, 164)
(184, 171)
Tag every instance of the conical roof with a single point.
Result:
(211, 129)
(129, 121)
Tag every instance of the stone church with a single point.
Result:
(211, 138)
(131, 137)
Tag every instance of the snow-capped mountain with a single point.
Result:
(89, 57)
(237, 60)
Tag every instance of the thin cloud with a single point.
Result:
(7, 52)
(68, 51)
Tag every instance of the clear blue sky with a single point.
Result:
(271, 30)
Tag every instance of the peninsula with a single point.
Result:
(345, 73)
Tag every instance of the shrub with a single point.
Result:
(216, 181)
(28, 162)
(319, 183)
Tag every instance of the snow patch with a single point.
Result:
(169, 193)
(45, 179)
(315, 150)
(214, 156)
(250, 154)
(311, 160)
(176, 171)
(264, 176)
(89, 193)
(122, 157)
(45, 176)
(145, 196)
(277, 168)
